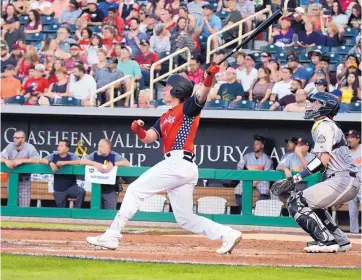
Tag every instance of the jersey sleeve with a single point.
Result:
(323, 139)
(5, 153)
(285, 162)
(33, 153)
(191, 107)
(118, 157)
(241, 164)
(73, 156)
(157, 128)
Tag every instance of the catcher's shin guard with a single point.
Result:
(307, 219)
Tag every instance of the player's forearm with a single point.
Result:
(202, 94)
(87, 162)
(149, 137)
(122, 163)
(30, 160)
(71, 162)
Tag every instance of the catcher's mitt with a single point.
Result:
(282, 186)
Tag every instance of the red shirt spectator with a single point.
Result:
(37, 83)
(75, 57)
(109, 37)
(115, 20)
(196, 74)
(147, 57)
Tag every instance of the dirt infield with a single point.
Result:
(254, 249)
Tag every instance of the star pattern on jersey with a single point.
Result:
(183, 133)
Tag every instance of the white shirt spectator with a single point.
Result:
(281, 89)
(83, 88)
(341, 20)
(245, 79)
(41, 7)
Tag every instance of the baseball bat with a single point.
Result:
(269, 21)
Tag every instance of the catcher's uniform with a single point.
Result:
(343, 181)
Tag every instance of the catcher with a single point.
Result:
(308, 207)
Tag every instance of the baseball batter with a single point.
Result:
(177, 173)
(342, 179)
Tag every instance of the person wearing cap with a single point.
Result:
(351, 62)
(107, 75)
(231, 90)
(91, 15)
(295, 86)
(10, 86)
(257, 160)
(38, 82)
(209, 24)
(291, 144)
(297, 161)
(134, 36)
(70, 15)
(145, 60)
(354, 144)
(248, 74)
(284, 36)
(324, 65)
(11, 34)
(282, 88)
(299, 71)
(315, 57)
(6, 58)
(81, 85)
(76, 56)
(106, 5)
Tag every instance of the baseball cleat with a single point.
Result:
(230, 242)
(322, 247)
(342, 248)
(107, 240)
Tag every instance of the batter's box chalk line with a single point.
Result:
(177, 262)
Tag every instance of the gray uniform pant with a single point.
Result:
(353, 209)
(73, 191)
(333, 191)
(24, 193)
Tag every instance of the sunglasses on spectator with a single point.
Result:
(264, 55)
(74, 49)
(17, 137)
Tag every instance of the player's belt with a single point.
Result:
(187, 156)
(352, 174)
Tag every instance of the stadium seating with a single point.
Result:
(323, 49)
(222, 15)
(35, 38)
(241, 105)
(212, 205)
(216, 105)
(51, 28)
(268, 208)
(17, 100)
(350, 42)
(48, 20)
(355, 107)
(67, 101)
(350, 32)
(342, 50)
(154, 203)
(271, 48)
(335, 58)
(265, 106)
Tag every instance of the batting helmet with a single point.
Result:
(329, 105)
(181, 87)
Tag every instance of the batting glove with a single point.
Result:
(141, 133)
(211, 72)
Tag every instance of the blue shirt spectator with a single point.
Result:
(285, 35)
(104, 6)
(213, 22)
(133, 35)
(70, 15)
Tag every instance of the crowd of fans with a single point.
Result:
(52, 49)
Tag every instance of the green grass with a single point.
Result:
(54, 268)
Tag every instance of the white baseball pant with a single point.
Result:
(179, 177)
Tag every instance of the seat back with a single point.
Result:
(67, 101)
(241, 105)
(211, 205)
(265, 106)
(269, 208)
(155, 203)
(222, 15)
(17, 100)
(355, 107)
(35, 37)
(350, 32)
(271, 49)
(216, 105)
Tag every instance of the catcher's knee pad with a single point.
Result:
(306, 218)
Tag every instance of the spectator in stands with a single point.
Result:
(143, 100)
(354, 144)
(240, 62)
(166, 19)
(65, 185)
(113, 19)
(145, 60)
(291, 144)
(84, 37)
(10, 85)
(134, 36)
(174, 7)
(107, 75)
(177, 31)
(351, 61)
(297, 161)
(10, 15)
(338, 15)
(248, 74)
(231, 90)
(32, 100)
(283, 37)
(298, 24)
(93, 50)
(265, 58)
(20, 7)
(125, 8)
(70, 15)
(150, 25)
(351, 92)
(76, 56)
(33, 24)
(334, 37)
(256, 160)
(160, 42)
(195, 73)
(11, 34)
(63, 39)
(315, 57)
(102, 61)
(327, 6)
(315, 15)
(274, 67)
(43, 6)
(58, 64)
(155, 7)
(299, 71)
(233, 17)
(59, 88)
(109, 37)
(48, 61)
(354, 20)
(191, 20)
(283, 87)
(260, 90)
(247, 8)
(190, 41)
(289, 98)
(81, 85)
(321, 85)
(38, 82)
(324, 65)
(105, 6)
(15, 154)
(309, 38)
(195, 8)
(300, 102)
(6, 57)
(357, 49)
(209, 24)
(59, 6)
(91, 15)
(104, 160)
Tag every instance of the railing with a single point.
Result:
(111, 87)
(94, 212)
(170, 57)
(240, 37)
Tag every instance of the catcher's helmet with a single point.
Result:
(329, 105)
(181, 87)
